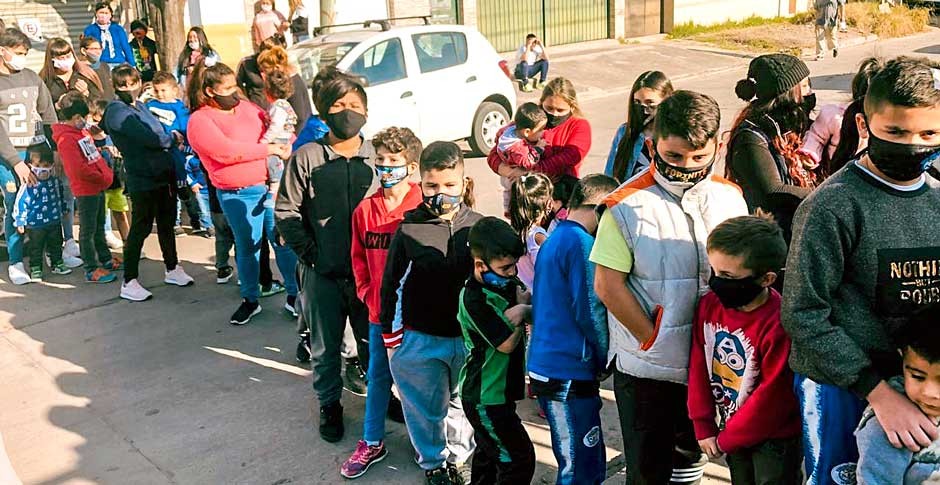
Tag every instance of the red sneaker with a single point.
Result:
(364, 457)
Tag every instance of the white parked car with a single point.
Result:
(445, 82)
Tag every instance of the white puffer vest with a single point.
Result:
(667, 233)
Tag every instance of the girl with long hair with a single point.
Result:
(530, 213)
(299, 20)
(62, 73)
(628, 152)
(196, 49)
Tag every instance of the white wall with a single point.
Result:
(706, 12)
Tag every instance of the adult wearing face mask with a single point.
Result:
(116, 49)
(196, 49)
(225, 132)
(61, 73)
(323, 183)
(90, 49)
(268, 23)
(764, 155)
(150, 181)
(567, 135)
(24, 121)
(628, 152)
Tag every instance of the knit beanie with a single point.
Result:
(771, 75)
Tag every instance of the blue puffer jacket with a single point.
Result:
(144, 144)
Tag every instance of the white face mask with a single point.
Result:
(64, 64)
(16, 62)
(194, 45)
(267, 8)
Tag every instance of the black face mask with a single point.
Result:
(228, 102)
(649, 112)
(128, 96)
(900, 161)
(345, 124)
(809, 103)
(735, 293)
(555, 120)
(681, 174)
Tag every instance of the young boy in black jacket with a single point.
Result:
(428, 262)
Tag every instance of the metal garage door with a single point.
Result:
(506, 22)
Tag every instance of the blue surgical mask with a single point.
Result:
(499, 282)
(391, 176)
(441, 204)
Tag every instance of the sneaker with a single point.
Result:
(331, 422)
(540, 85)
(439, 476)
(244, 313)
(459, 474)
(35, 275)
(71, 261)
(527, 87)
(303, 348)
(131, 290)
(223, 275)
(116, 264)
(114, 242)
(178, 231)
(198, 231)
(275, 288)
(843, 26)
(178, 277)
(71, 249)
(835, 53)
(395, 412)
(364, 457)
(99, 275)
(354, 379)
(210, 233)
(18, 275)
(290, 305)
(61, 269)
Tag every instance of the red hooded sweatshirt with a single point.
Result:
(372, 228)
(568, 145)
(87, 170)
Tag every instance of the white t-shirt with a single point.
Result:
(526, 264)
(530, 56)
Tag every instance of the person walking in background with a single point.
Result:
(531, 60)
(827, 33)
(299, 21)
(629, 152)
(116, 50)
(145, 51)
(268, 22)
(196, 49)
(90, 49)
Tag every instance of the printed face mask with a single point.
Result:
(391, 176)
(345, 124)
(682, 174)
(441, 204)
(735, 293)
(42, 173)
(499, 282)
(901, 161)
(63, 64)
(649, 112)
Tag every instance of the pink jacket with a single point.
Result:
(823, 136)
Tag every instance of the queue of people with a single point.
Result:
(661, 273)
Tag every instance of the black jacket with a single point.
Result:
(428, 262)
(314, 207)
(143, 143)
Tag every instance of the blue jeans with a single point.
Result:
(830, 415)
(525, 71)
(574, 419)
(244, 209)
(283, 255)
(205, 217)
(9, 185)
(380, 387)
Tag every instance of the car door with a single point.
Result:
(392, 94)
(446, 83)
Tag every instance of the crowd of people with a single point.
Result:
(660, 272)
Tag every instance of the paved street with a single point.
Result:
(99, 390)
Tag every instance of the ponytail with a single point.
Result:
(204, 77)
(468, 198)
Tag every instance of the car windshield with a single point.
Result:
(313, 57)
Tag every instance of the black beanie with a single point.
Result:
(771, 75)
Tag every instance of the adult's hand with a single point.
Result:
(81, 86)
(905, 425)
(25, 175)
(280, 150)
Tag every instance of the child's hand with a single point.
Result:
(21, 230)
(81, 86)
(905, 425)
(196, 188)
(542, 143)
(518, 314)
(524, 297)
(280, 150)
(710, 447)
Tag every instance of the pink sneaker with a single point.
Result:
(364, 457)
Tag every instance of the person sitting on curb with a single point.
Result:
(531, 60)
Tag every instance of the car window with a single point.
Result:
(440, 50)
(311, 58)
(381, 63)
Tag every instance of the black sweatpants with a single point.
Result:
(44, 240)
(155, 205)
(773, 462)
(659, 441)
(504, 453)
(91, 237)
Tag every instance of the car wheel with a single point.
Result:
(489, 118)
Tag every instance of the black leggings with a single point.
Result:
(155, 205)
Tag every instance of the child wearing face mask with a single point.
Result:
(738, 364)
(374, 223)
(520, 145)
(628, 151)
(862, 261)
(651, 270)
(38, 214)
(428, 262)
(530, 211)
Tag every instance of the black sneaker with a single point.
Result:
(210, 233)
(395, 412)
(303, 348)
(459, 475)
(439, 476)
(245, 311)
(354, 379)
(178, 231)
(223, 275)
(331, 422)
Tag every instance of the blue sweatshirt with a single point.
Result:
(144, 144)
(39, 205)
(116, 52)
(174, 116)
(196, 175)
(569, 335)
(313, 130)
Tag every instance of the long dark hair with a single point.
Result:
(202, 78)
(784, 121)
(848, 134)
(530, 202)
(204, 48)
(59, 47)
(636, 119)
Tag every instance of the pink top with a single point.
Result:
(228, 145)
(824, 134)
(266, 24)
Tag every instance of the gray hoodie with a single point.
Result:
(863, 256)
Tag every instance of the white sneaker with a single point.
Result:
(72, 261)
(114, 242)
(18, 275)
(134, 292)
(178, 277)
(71, 249)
